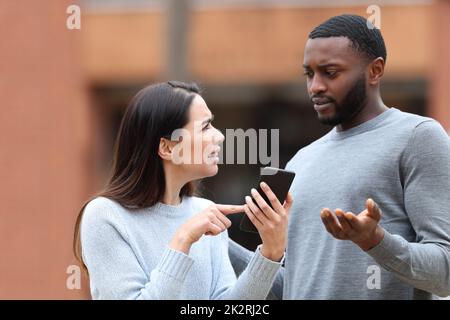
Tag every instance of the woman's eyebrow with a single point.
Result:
(206, 121)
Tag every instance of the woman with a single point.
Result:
(146, 236)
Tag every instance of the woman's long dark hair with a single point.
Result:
(137, 177)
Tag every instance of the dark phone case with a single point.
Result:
(280, 183)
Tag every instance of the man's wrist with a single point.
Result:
(374, 240)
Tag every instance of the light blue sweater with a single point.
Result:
(127, 256)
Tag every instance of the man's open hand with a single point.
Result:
(362, 229)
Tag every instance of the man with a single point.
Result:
(391, 167)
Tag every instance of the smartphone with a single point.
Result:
(279, 181)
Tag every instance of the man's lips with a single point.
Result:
(320, 101)
(321, 104)
(322, 107)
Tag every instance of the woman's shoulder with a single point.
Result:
(101, 204)
(199, 202)
(100, 209)
(101, 227)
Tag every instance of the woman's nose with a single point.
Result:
(219, 137)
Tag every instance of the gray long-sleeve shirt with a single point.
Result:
(400, 160)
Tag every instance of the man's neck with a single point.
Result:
(370, 111)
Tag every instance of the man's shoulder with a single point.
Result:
(406, 124)
(420, 127)
(412, 120)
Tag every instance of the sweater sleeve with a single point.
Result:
(254, 283)
(425, 263)
(115, 271)
(240, 258)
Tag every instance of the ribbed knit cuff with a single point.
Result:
(261, 267)
(175, 264)
(386, 252)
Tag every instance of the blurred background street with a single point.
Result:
(63, 93)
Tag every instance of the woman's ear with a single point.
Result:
(376, 71)
(165, 149)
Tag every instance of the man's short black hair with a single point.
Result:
(364, 36)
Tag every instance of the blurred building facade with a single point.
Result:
(64, 92)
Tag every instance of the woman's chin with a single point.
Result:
(212, 170)
(209, 170)
(203, 171)
(211, 166)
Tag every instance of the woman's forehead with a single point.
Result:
(199, 110)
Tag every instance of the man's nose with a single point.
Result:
(316, 85)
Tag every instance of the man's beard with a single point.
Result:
(352, 104)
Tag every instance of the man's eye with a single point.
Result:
(331, 73)
(309, 74)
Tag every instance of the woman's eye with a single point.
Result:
(207, 126)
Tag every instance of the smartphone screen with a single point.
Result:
(279, 181)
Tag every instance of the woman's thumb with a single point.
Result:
(288, 202)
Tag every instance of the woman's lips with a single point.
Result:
(214, 156)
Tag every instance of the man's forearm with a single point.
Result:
(425, 266)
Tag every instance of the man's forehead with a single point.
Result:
(328, 50)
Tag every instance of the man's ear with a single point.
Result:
(165, 149)
(376, 71)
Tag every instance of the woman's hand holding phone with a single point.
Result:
(210, 221)
(270, 220)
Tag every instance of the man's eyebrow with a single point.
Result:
(323, 65)
(206, 121)
(326, 65)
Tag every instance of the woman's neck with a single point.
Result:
(171, 197)
(174, 183)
